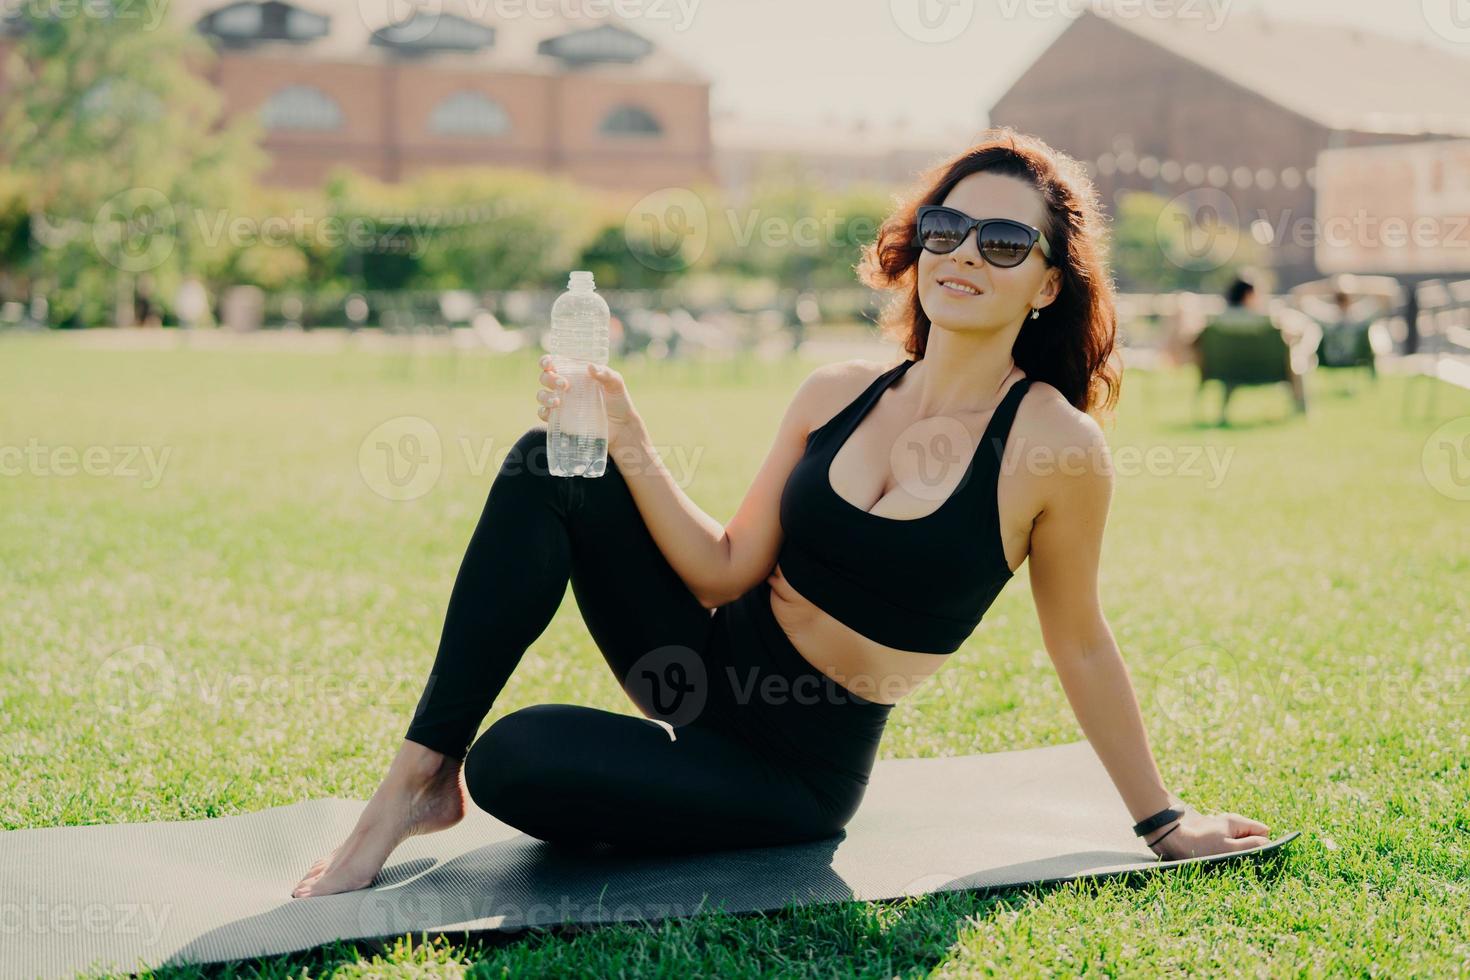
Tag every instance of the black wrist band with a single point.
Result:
(1148, 825)
(1165, 834)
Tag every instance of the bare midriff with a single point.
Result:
(869, 669)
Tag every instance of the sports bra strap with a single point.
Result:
(998, 431)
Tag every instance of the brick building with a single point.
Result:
(1174, 103)
(589, 99)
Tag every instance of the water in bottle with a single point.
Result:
(576, 435)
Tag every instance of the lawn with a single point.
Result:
(213, 604)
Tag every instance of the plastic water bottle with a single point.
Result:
(576, 434)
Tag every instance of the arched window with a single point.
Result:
(469, 114)
(301, 107)
(630, 120)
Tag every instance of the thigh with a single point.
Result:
(638, 610)
(578, 775)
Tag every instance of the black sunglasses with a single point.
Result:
(1003, 242)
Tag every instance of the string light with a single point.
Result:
(1123, 159)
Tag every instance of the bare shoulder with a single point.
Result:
(1060, 441)
(831, 387)
(1048, 415)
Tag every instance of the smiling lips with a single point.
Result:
(961, 286)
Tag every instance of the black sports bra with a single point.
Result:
(913, 584)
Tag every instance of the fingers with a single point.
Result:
(548, 400)
(1244, 843)
(549, 376)
(552, 384)
(1244, 826)
(603, 374)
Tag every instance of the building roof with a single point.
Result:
(1343, 77)
(516, 45)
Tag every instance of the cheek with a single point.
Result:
(926, 272)
(927, 261)
(1012, 286)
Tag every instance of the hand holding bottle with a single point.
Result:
(622, 417)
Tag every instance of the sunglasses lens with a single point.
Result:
(940, 231)
(1005, 244)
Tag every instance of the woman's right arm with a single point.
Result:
(719, 563)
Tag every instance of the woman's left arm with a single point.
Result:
(1066, 546)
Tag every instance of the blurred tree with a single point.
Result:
(132, 171)
(474, 228)
(799, 233)
(619, 259)
(15, 233)
(1187, 242)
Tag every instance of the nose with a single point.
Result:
(968, 250)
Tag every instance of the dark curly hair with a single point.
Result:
(1071, 345)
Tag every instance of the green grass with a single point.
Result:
(1322, 588)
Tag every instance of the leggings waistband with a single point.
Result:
(781, 701)
(756, 605)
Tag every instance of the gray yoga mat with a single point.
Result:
(130, 896)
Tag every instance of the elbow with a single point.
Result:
(713, 601)
(713, 594)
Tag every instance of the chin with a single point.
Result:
(971, 309)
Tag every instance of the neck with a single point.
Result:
(962, 372)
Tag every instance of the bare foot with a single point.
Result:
(423, 792)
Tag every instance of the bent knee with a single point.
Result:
(500, 768)
(527, 455)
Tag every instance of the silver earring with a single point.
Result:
(1035, 314)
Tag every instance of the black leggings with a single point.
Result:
(743, 742)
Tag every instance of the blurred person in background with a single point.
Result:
(191, 303)
(1246, 305)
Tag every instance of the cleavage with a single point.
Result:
(924, 462)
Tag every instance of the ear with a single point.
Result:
(1051, 287)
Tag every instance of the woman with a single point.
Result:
(767, 654)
